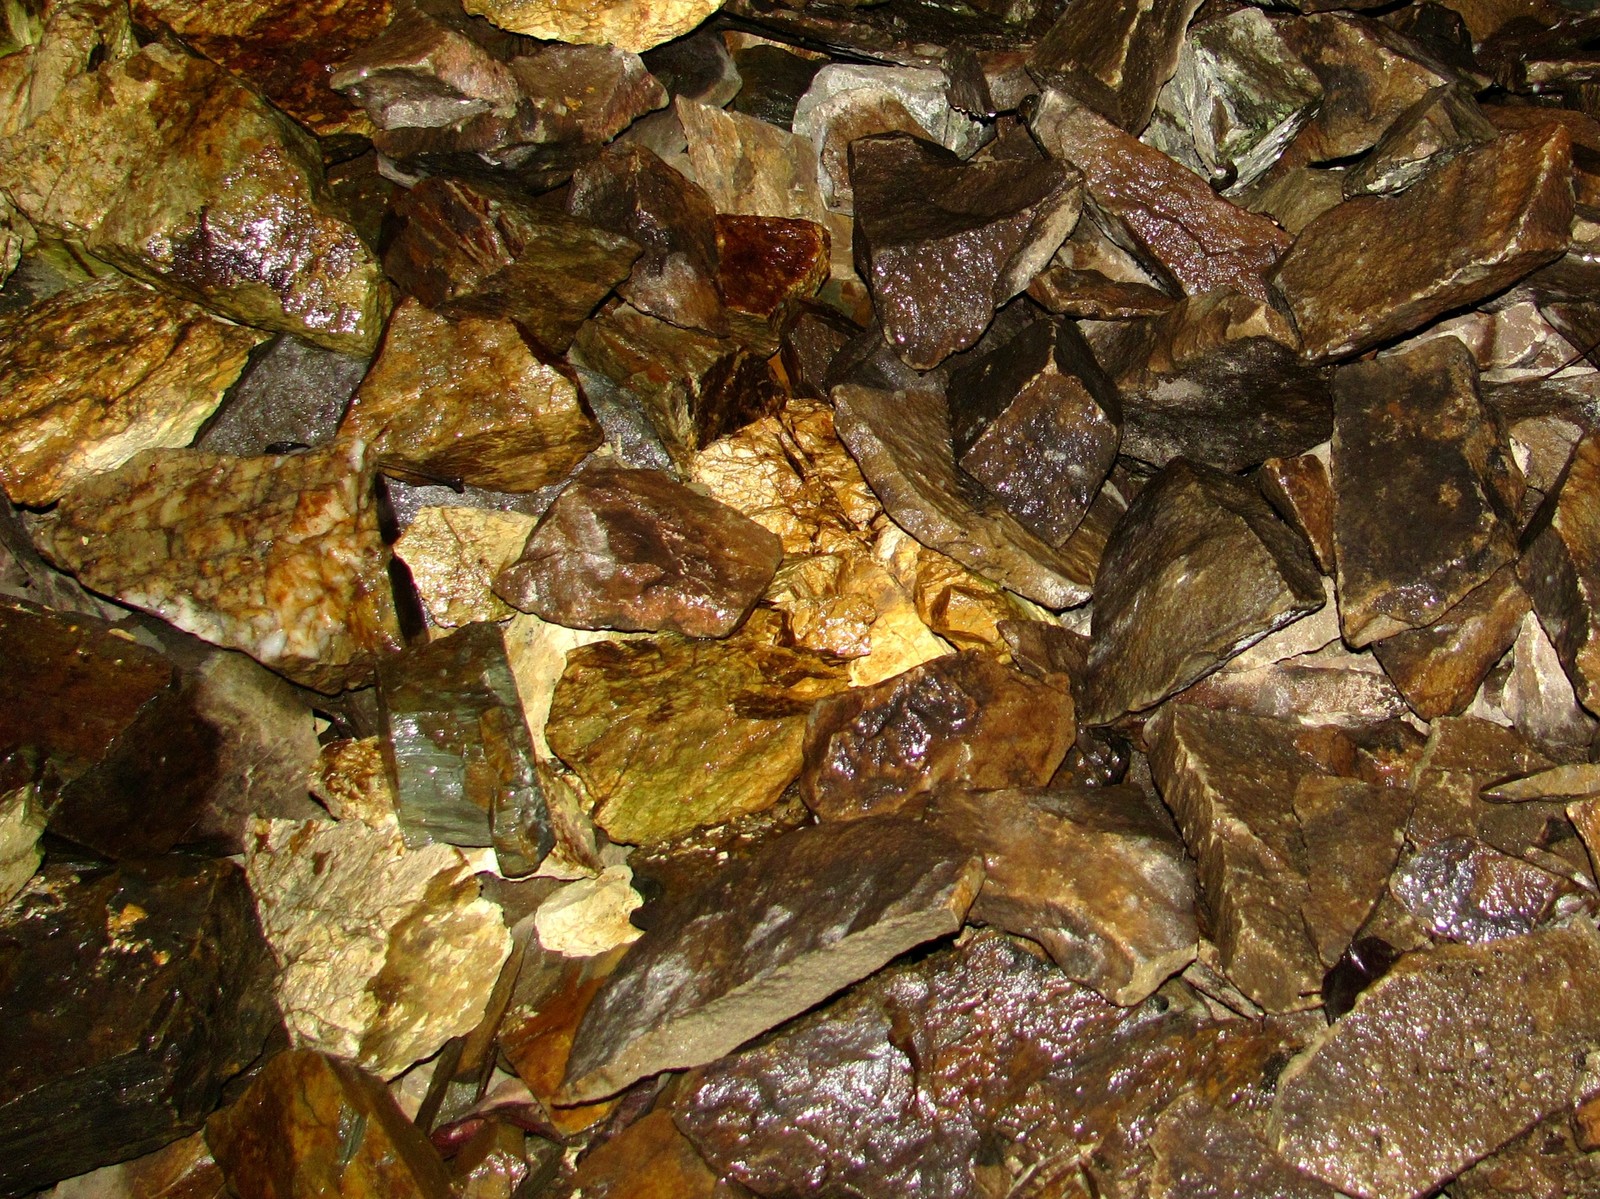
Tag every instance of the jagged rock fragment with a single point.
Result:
(648, 1157)
(455, 554)
(1444, 123)
(766, 267)
(1091, 295)
(1203, 1151)
(1299, 489)
(1330, 686)
(1112, 56)
(353, 783)
(21, 824)
(635, 25)
(775, 77)
(292, 393)
(183, 1169)
(773, 935)
(748, 166)
(1463, 755)
(1533, 691)
(1561, 569)
(1554, 1157)
(1464, 890)
(589, 916)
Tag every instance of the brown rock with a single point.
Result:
(1560, 569)
(1088, 294)
(774, 934)
(1112, 57)
(1509, 1022)
(184, 1169)
(1331, 686)
(636, 550)
(1098, 876)
(1243, 574)
(1464, 755)
(1202, 1151)
(1377, 267)
(1438, 465)
(964, 720)
(766, 267)
(748, 166)
(1552, 1158)
(1535, 693)
(650, 1159)
(1299, 489)
(1464, 890)
(635, 25)
(1444, 123)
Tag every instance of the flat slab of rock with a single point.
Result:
(1464, 890)
(145, 371)
(1561, 570)
(1509, 1024)
(1423, 490)
(1114, 57)
(637, 550)
(901, 440)
(1203, 1151)
(278, 556)
(1198, 569)
(1377, 267)
(774, 935)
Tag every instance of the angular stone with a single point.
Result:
(1299, 489)
(1444, 123)
(635, 25)
(1037, 422)
(1202, 1151)
(167, 167)
(1578, 781)
(1088, 294)
(748, 166)
(1554, 1157)
(474, 249)
(21, 824)
(353, 784)
(775, 934)
(291, 394)
(1351, 832)
(1198, 569)
(902, 442)
(1470, 229)
(1201, 241)
(454, 555)
(1463, 755)
(278, 556)
(589, 916)
(960, 606)
(1534, 692)
(1507, 1022)
(1440, 668)
(312, 1124)
(1423, 491)
(184, 1169)
(137, 992)
(636, 550)
(768, 266)
(1330, 686)
(1464, 890)
(668, 734)
(650, 1159)
(1098, 876)
(965, 720)
(384, 953)
(774, 78)
(467, 400)
(1112, 57)
(1217, 379)
(1294, 196)
(145, 371)
(1561, 569)
(946, 242)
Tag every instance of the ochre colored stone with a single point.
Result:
(454, 555)
(635, 25)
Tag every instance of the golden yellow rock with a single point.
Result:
(537, 651)
(635, 25)
(352, 783)
(454, 555)
(963, 607)
(831, 601)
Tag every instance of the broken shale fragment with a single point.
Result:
(1114, 57)
(1561, 570)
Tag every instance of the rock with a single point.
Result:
(636, 25)
(847, 101)
(278, 556)
(1201, 242)
(1090, 295)
(775, 77)
(947, 242)
(1472, 228)
(773, 935)
(384, 953)
(650, 1157)
(184, 1169)
(732, 712)
(699, 67)
(21, 823)
(1444, 123)
(1463, 755)
(963, 608)
(590, 916)
(1551, 1158)
(172, 948)
(1331, 686)
(474, 249)
(1577, 781)
(1243, 572)
(1098, 876)
(1294, 196)
(1037, 422)
(1533, 691)
(636, 550)
(1299, 489)
(1510, 1020)
(767, 267)
(291, 393)
(454, 555)
(1114, 58)
(310, 1123)
(167, 167)
(748, 166)
(1560, 570)
(149, 370)
(1441, 459)
(965, 720)
(1464, 890)
(467, 400)
(902, 442)
(353, 783)
(1202, 1150)
(1218, 380)
(1440, 668)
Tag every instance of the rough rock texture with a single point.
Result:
(454, 555)
(168, 167)
(966, 720)
(291, 393)
(589, 916)
(1511, 1021)
(637, 550)
(467, 400)
(766, 267)
(1112, 56)
(1535, 693)
(775, 934)
(902, 442)
(384, 954)
(136, 994)
(1440, 458)
(1463, 890)
(1197, 569)
(635, 25)
(21, 824)
(748, 166)
(1203, 1152)
(1096, 875)
(1444, 123)
(732, 714)
(277, 556)
(946, 243)
(1300, 490)
(148, 370)
(1376, 267)
(1561, 569)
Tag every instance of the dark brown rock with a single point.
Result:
(1203, 1152)
(1444, 123)
(1554, 1157)
(650, 1159)
(1098, 876)
(1089, 294)
(1561, 569)
(773, 935)
(1299, 489)
(766, 267)
(774, 79)
(964, 719)
(1377, 267)
(1423, 490)
(634, 549)
(1464, 890)
(1112, 56)
(1508, 1022)
(944, 243)
(1198, 569)
(136, 994)
(1037, 422)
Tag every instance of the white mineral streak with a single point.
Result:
(590, 916)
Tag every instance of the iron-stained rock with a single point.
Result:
(766, 267)
(635, 25)
(291, 393)
(455, 554)
(1299, 489)
(1534, 692)
(1444, 123)
(1197, 569)
(1464, 890)
(773, 935)
(1114, 57)
(748, 166)
(1089, 294)
(965, 720)
(1203, 1151)
(649, 1157)
(1561, 569)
